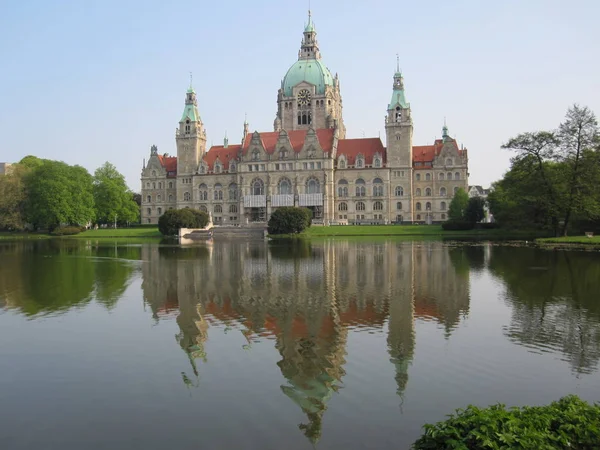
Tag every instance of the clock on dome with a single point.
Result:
(303, 97)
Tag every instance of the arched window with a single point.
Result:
(153, 185)
(160, 184)
(361, 190)
(203, 208)
(343, 206)
(377, 206)
(342, 188)
(284, 187)
(377, 187)
(428, 192)
(418, 216)
(443, 216)
(232, 166)
(427, 177)
(170, 185)
(360, 206)
(448, 161)
(218, 209)
(218, 168)
(218, 193)
(443, 206)
(233, 209)
(202, 168)
(149, 211)
(418, 206)
(360, 162)
(203, 192)
(282, 153)
(377, 162)
(399, 191)
(455, 190)
(148, 185)
(418, 177)
(457, 176)
(170, 198)
(442, 192)
(149, 199)
(258, 187)
(398, 205)
(159, 211)
(441, 176)
(154, 173)
(449, 176)
(312, 186)
(342, 163)
(233, 191)
(418, 192)
(256, 155)
(428, 206)
(159, 198)
(186, 197)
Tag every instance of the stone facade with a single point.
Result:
(307, 161)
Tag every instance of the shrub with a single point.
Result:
(289, 220)
(566, 424)
(174, 219)
(488, 225)
(457, 225)
(66, 231)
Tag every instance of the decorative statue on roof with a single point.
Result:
(154, 150)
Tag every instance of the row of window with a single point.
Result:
(441, 176)
(160, 185)
(380, 217)
(378, 206)
(359, 163)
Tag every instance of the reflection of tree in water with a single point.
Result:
(554, 296)
(56, 275)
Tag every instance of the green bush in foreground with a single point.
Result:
(174, 219)
(569, 423)
(289, 220)
(67, 231)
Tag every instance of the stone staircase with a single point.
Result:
(254, 232)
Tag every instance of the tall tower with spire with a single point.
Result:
(190, 137)
(399, 125)
(309, 96)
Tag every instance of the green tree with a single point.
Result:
(474, 212)
(58, 194)
(458, 205)
(174, 219)
(288, 220)
(114, 202)
(12, 199)
(577, 135)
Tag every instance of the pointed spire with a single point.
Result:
(225, 140)
(445, 131)
(191, 88)
(397, 63)
(310, 27)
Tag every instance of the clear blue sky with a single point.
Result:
(93, 81)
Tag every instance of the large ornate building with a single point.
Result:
(307, 161)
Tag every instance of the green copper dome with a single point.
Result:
(312, 71)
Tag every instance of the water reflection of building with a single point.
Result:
(307, 297)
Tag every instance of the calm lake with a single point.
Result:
(340, 344)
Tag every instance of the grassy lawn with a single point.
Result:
(17, 236)
(146, 232)
(410, 230)
(571, 240)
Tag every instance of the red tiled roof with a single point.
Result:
(427, 153)
(225, 154)
(368, 147)
(168, 162)
(297, 137)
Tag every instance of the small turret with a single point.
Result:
(445, 134)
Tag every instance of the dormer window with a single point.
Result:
(218, 168)
(232, 166)
(255, 155)
(360, 162)
(377, 161)
(342, 163)
(202, 168)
